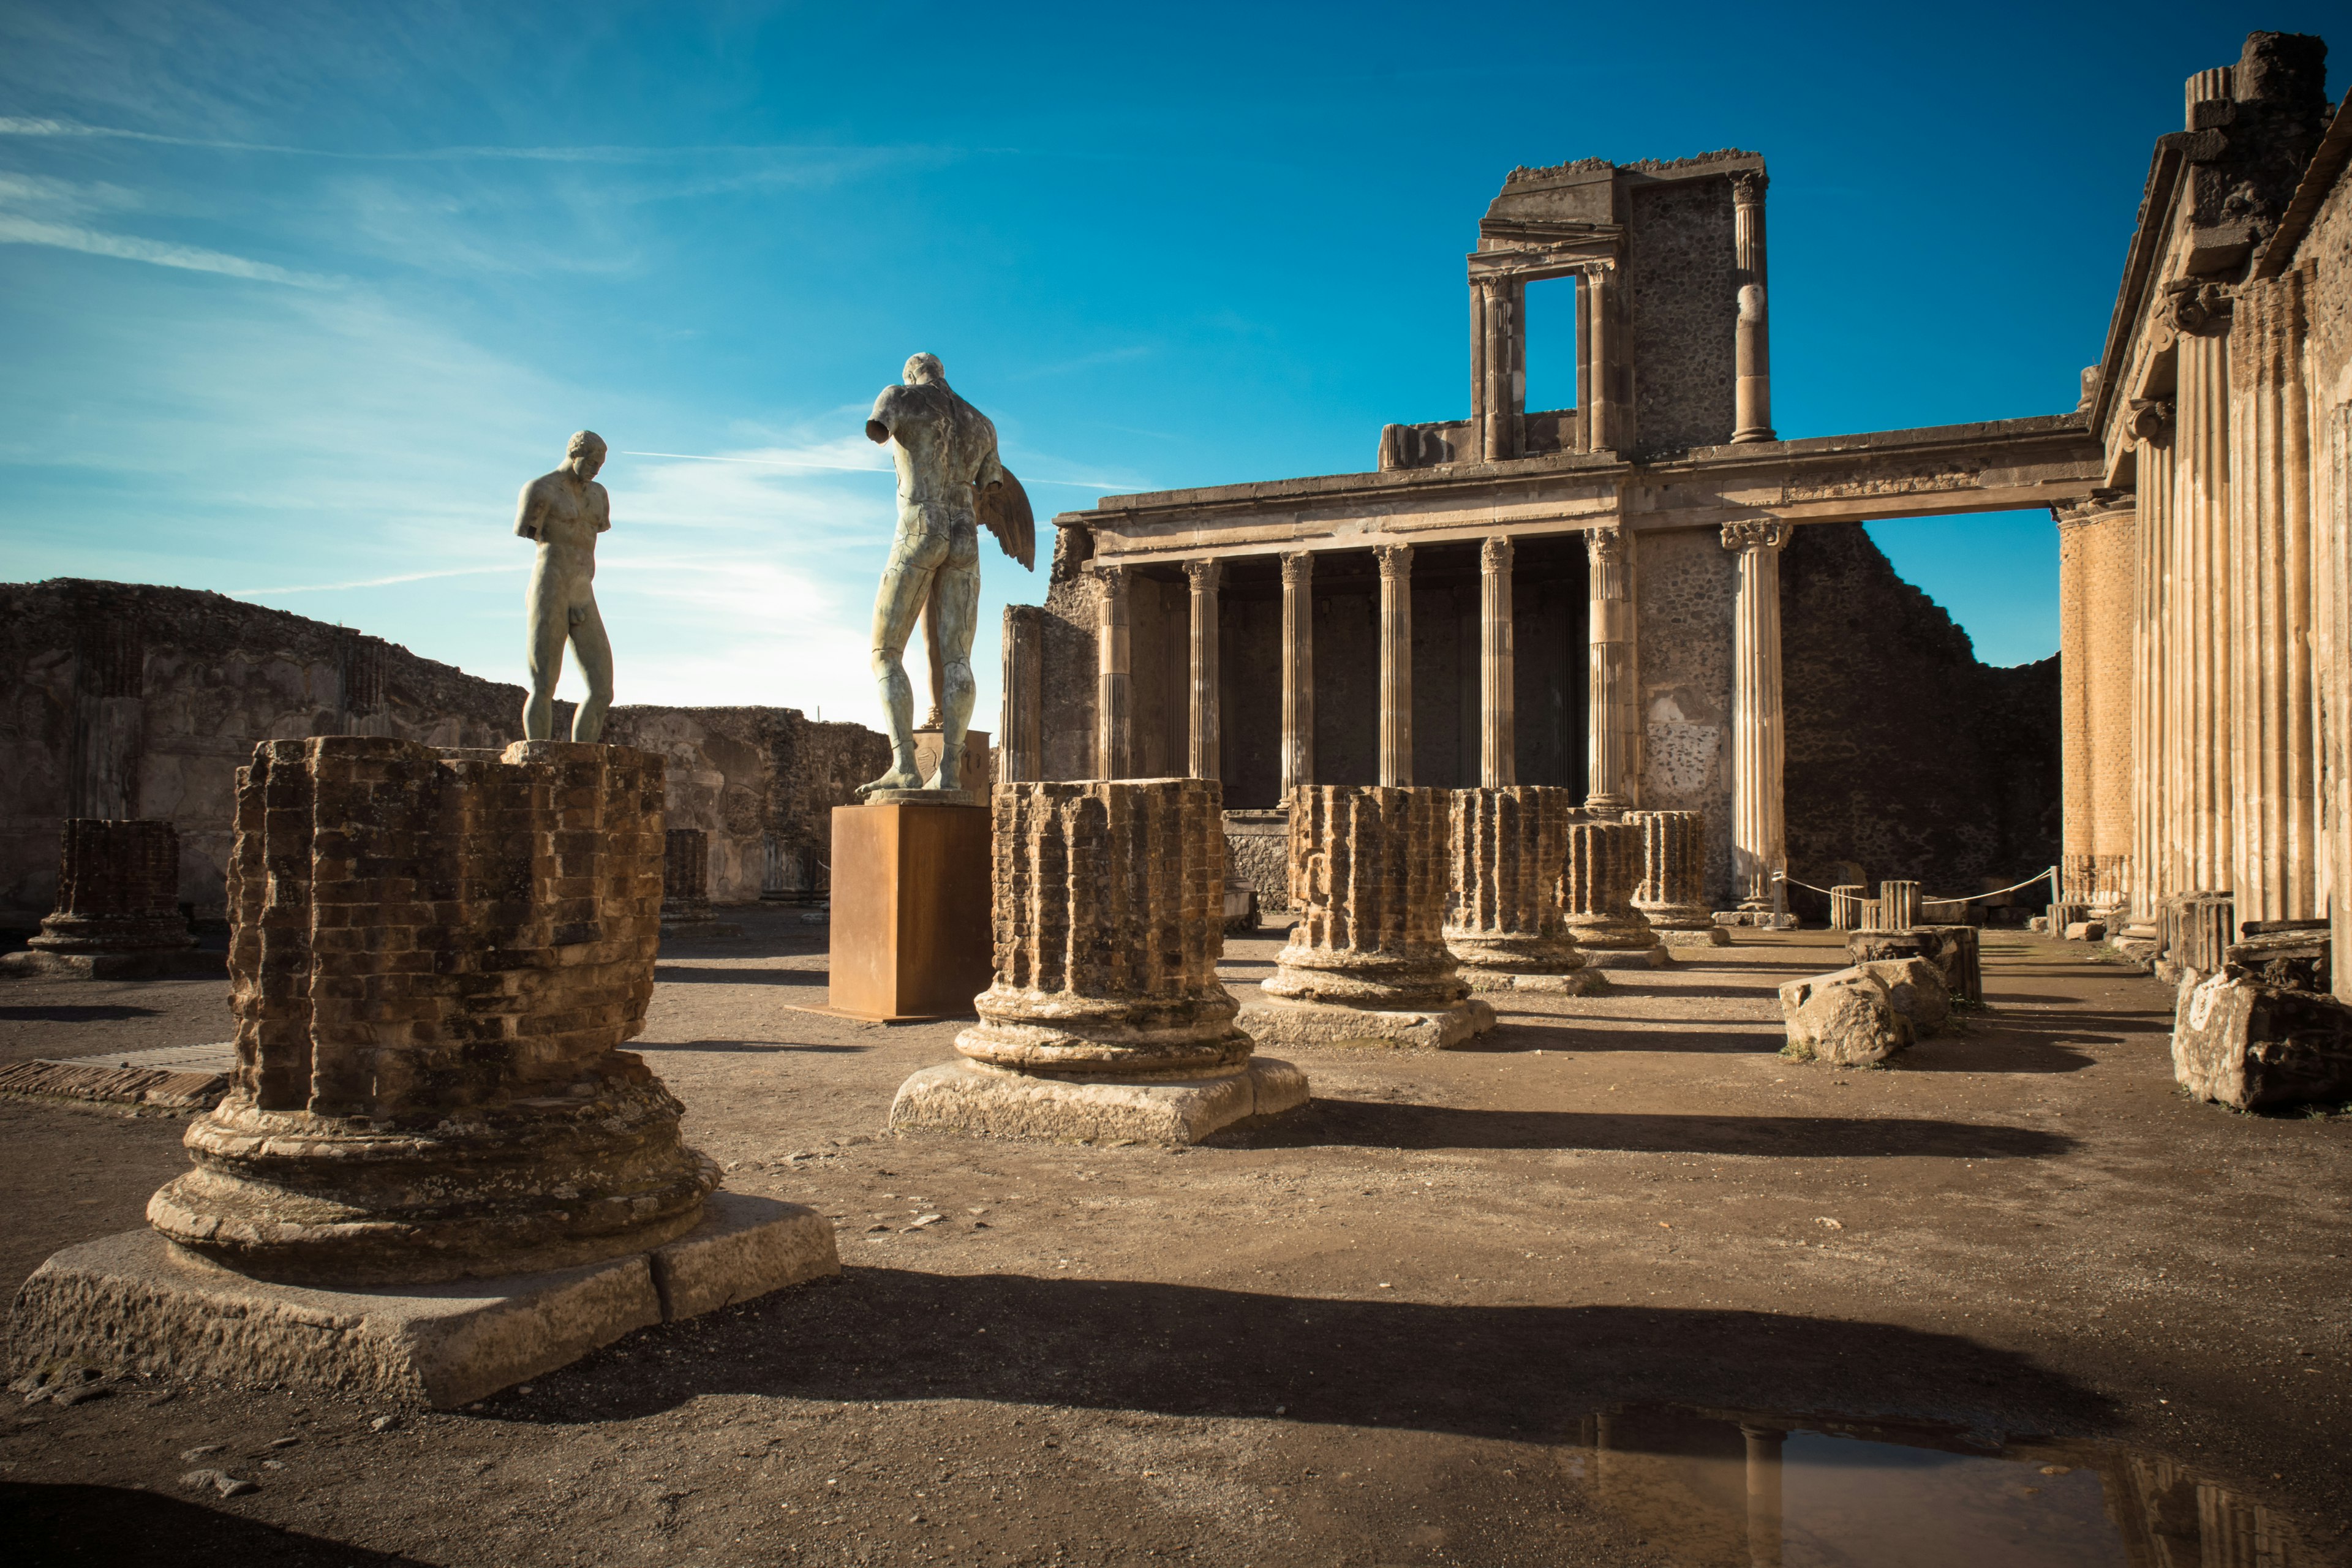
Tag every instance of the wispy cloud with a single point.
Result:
(375, 582)
(19, 230)
(20, 125)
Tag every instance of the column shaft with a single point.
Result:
(1758, 841)
(2275, 856)
(1113, 714)
(1203, 726)
(1298, 671)
(2206, 589)
(2152, 775)
(1498, 733)
(1613, 708)
(1396, 664)
(1752, 346)
(1022, 745)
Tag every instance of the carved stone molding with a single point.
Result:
(1494, 553)
(1297, 567)
(1747, 185)
(1205, 575)
(1396, 560)
(1756, 533)
(2201, 310)
(1604, 546)
(2151, 420)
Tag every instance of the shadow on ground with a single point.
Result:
(1515, 1372)
(115, 1527)
(1374, 1124)
(690, 975)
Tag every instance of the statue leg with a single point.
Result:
(593, 650)
(915, 556)
(956, 591)
(543, 658)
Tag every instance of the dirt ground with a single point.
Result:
(1385, 1330)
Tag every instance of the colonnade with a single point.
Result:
(1613, 707)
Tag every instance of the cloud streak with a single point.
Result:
(22, 125)
(15, 229)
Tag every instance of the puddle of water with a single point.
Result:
(1744, 1490)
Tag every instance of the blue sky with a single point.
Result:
(293, 298)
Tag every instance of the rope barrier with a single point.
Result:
(2050, 875)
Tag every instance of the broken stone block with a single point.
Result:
(2086, 931)
(1954, 949)
(1915, 989)
(2254, 1046)
(1846, 1018)
(2193, 930)
(2293, 955)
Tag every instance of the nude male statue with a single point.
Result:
(949, 481)
(563, 512)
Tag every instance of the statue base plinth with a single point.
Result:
(918, 797)
(910, 908)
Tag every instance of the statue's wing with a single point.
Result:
(1005, 508)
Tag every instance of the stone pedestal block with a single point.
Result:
(2260, 1047)
(909, 908)
(1504, 926)
(117, 913)
(1106, 1018)
(1367, 963)
(1845, 906)
(1898, 906)
(1604, 863)
(1953, 949)
(435, 959)
(136, 1303)
(1672, 891)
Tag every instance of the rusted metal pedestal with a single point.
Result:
(911, 910)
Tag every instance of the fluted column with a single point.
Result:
(1613, 708)
(1672, 892)
(2206, 593)
(2153, 778)
(1113, 711)
(1396, 664)
(2334, 664)
(1752, 347)
(118, 911)
(2098, 562)
(1758, 842)
(1298, 670)
(1206, 755)
(1596, 896)
(1504, 926)
(1367, 963)
(1022, 741)
(1600, 413)
(1497, 717)
(1501, 381)
(2276, 868)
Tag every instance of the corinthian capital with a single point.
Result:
(1604, 546)
(1297, 568)
(1113, 578)
(1396, 560)
(1748, 185)
(1494, 553)
(1205, 575)
(1756, 533)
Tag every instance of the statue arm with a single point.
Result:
(527, 509)
(882, 423)
(604, 508)
(992, 471)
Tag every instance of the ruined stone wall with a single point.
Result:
(1684, 585)
(1904, 754)
(1680, 254)
(122, 700)
(1065, 683)
(762, 782)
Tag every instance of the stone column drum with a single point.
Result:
(686, 876)
(1106, 1018)
(1672, 893)
(1367, 963)
(117, 913)
(1504, 926)
(1846, 906)
(1604, 863)
(1898, 906)
(435, 959)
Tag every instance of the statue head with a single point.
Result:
(923, 369)
(584, 453)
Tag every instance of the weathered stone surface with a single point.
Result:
(2193, 930)
(1915, 989)
(1257, 852)
(118, 914)
(1503, 923)
(1367, 963)
(1845, 906)
(2292, 955)
(135, 1302)
(1898, 906)
(2258, 1046)
(1603, 865)
(1955, 951)
(435, 959)
(685, 886)
(969, 1096)
(1845, 1018)
(1105, 1017)
(1672, 891)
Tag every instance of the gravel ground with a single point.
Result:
(1388, 1328)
